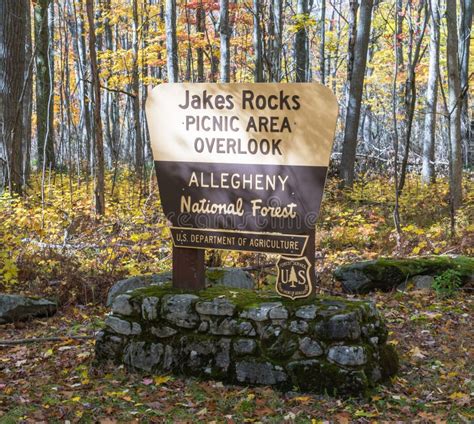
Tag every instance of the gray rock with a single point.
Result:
(252, 372)
(306, 312)
(423, 282)
(279, 312)
(137, 282)
(268, 332)
(298, 327)
(178, 309)
(163, 331)
(246, 329)
(143, 356)
(226, 327)
(374, 341)
(14, 308)
(310, 348)
(281, 347)
(150, 307)
(223, 355)
(198, 353)
(244, 346)
(123, 306)
(169, 358)
(402, 287)
(218, 307)
(203, 327)
(121, 326)
(347, 355)
(260, 312)
(372, 311)
(342, 327)
(230, 277)
(108, 346)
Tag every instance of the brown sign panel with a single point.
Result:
(242, 166)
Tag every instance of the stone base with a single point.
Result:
(239, 336)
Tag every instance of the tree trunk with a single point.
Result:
(301, 43)
(44, 86)
(454, 106)
(99, 188)
(428, 169)
(136, 91)
(200, 28)
(353, 7)
(409, 103)
(322, 44)
(224, 30)
(257, 42)
(355, 93)
(278, 39)
(171, 41)
(28, 100)
(465, 35)
(13, 27)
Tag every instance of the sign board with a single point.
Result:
(242, 166)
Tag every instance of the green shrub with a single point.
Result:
(447, 283)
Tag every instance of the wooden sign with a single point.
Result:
(242, 166)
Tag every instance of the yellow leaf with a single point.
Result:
(457, 395)
(76, 398)
(161, 379)
(302, 398)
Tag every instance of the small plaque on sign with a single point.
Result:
(294, 277)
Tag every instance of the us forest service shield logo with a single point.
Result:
(293, 278)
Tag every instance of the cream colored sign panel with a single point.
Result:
(267, 123)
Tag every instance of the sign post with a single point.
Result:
(243, 167)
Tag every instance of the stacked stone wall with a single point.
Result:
(322, 345)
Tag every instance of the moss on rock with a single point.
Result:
(386, 273)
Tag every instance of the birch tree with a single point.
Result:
(454, 105)
(465, 35)
(224, 31)
(429, 134)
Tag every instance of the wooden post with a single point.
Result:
(309, 252)
(188, 268)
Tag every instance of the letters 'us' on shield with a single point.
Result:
(242, 166)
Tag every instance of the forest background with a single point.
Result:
(79, 205)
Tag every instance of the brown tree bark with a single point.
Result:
(44, 85)
(13, 25)
(99, 188)
(454, 105)
(355, 92)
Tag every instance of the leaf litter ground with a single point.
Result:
(57, 382)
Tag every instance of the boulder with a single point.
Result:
(230, 277)
(387, 274)
(132, 283)
(423, 282)
(15, 307)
